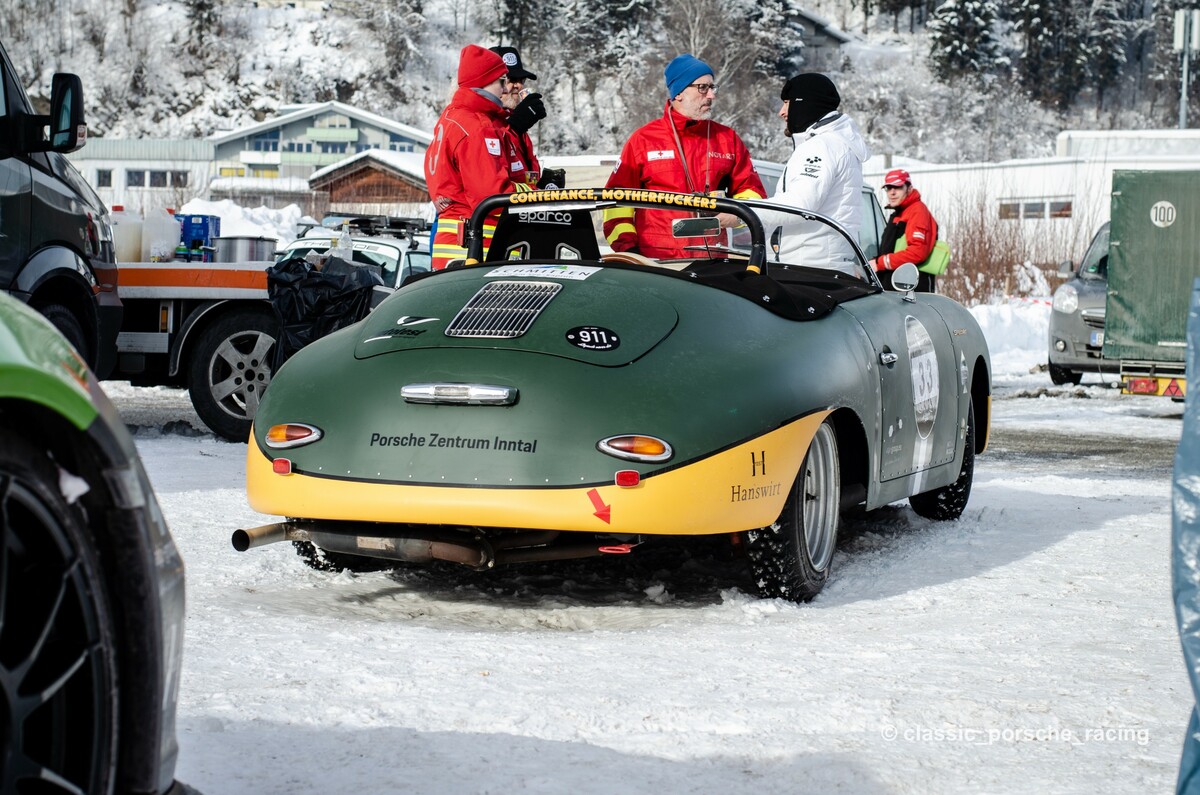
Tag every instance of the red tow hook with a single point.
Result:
(617, 549)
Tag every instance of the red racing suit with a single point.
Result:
(913, 222)
(717, 160)
(473, 155)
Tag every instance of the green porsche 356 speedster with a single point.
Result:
(548, 401)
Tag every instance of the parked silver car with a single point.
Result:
(1077, 320)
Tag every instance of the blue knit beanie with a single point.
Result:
(682, 71)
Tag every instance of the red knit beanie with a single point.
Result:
(479, 67)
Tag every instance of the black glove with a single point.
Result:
(528, 113)
(553, 179)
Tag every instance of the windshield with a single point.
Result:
(365, 253)
(1095, 261)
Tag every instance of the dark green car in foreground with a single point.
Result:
(549, 401)
(91, 585)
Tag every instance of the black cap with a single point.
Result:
(812, 87)
(512, 59)
(810, 96)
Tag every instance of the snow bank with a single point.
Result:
(238, 221)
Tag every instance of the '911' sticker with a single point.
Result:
(924, 367)
(593, 338)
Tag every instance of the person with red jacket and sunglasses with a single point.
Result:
(473, 155)
(685, 151)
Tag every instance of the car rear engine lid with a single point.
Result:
(608, 323)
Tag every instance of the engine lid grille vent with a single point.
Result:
(502, 309)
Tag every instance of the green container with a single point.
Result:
(1154, 256)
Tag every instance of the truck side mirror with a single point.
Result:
(68, 130)
(1066, 268)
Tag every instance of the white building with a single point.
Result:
(1050, 205)
(146, 174)
(268, 162)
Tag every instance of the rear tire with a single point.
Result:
(792, 558)
(1061, 376)
(230, 370)
(948, 502)
(58, 670)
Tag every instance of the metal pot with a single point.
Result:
(243, 249)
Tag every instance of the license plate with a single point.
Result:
(1097, 339)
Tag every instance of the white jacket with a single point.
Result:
(824, 174)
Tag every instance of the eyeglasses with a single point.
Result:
(703, 88)
(503, 81)
(893, 187)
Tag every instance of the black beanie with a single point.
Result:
(811, 96)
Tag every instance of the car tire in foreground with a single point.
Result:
(791, 559)
(948, 502)
(230, 370)
(58, 678)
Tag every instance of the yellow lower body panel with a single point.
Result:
(738, 489)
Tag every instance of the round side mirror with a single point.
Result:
(905, 277)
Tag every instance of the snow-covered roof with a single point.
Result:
(145, 149)
(269, 184)
(823, 26)
(315, 109)
(409, 163)
(1115, 143)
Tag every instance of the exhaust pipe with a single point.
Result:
(423, 546)
(418, 548)
(268, 534)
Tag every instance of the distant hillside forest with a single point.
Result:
(949, 81)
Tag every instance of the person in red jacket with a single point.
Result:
(910, 232)
(473, 155)
(684, 151)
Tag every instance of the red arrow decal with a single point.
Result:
(602, 511)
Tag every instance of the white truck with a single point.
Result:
(209, 327)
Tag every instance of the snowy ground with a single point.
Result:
(1028, 647)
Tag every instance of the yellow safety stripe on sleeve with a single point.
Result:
(522, 187)
(623, 216)
(748, 194)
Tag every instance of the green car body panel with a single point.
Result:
(38, 365)
(51, 402)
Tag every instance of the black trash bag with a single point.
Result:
(311, 303)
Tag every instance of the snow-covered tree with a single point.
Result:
(963, 40)
(1107, 43)
(1052, 59)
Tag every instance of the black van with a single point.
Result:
(56, 251)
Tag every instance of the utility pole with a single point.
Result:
(1187, 41)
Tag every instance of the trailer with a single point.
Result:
(1154, 258)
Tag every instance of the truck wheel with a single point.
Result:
(70, 327)
(58, 671)
(229, 371)
(1060, 376)
(948, 502)
(791, 559)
